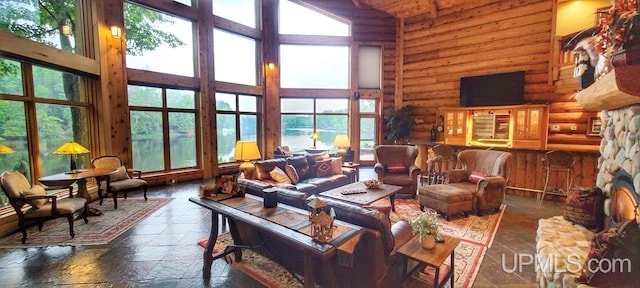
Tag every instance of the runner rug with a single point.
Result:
(100, 230)
(475, 232)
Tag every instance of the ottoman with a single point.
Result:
(445, 199)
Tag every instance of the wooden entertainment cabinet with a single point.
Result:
(517, 126)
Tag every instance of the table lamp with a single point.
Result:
(5, 149)
(315, 137)
(246, 151)
(341, 142)
(72, 149)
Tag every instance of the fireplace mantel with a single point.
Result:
(616, 89)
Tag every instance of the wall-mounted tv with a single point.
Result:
(492, 90)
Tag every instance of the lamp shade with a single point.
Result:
(5, 149)
(71, 148)
(342, 141)
(247, 150)
(315, 136)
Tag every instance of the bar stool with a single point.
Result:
(444, 158)
(558, 162)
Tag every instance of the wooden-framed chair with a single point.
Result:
(124, 180)
(41, 207)
(558, 161)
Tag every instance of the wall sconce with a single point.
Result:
(65, 28)
(271, 66)
(116, 32)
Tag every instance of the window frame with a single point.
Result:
(237, 113)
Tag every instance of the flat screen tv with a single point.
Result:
(492, 90)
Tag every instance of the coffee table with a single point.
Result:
(434, 257)
(363, 199)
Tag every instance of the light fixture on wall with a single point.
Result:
(271, 66)
(65, 28)
(116, 32)
(72, 149)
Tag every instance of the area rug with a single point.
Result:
(475, 232)
(100, 230)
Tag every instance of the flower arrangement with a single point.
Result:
(426, 223)
(618, 25)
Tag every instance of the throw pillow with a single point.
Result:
(36, 190)
(302, 167)
(396, 168)
(476, 176)
(262, 170)
(585, 206)
(280, 176)
(610, 250)
(324, 168)
(292, 173)
(336, 165)
(121, 174)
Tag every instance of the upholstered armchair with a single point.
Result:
(396, 166)
(123, 180)
(39, 206)
(485, 173)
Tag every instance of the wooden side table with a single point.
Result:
(430, 257)
(355, 166)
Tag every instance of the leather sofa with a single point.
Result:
(375, 262)
(488, 192)
(258, 180)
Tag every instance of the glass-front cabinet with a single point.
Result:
(518, 126)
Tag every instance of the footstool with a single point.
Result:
(446, 200)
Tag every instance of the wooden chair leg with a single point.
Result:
(70, 219)
(145, 193)
(23, 229)
(115, 199)
(84, 213)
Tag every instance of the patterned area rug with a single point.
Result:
(476, 234)
(100, 230)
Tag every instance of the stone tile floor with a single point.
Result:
(161, 251)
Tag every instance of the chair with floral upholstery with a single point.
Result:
(34, 206)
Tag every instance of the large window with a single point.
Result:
(303, 116)
(300, 20)
(56, 104)
(50, 22)
(158, 42)
(163, 128)
(308, 66)
(237, 119)
(240, 11)
(236, 59)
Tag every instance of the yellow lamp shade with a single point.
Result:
(315, 136)
(71, 148)
(5, 149)
(342, 141)
(247, 150)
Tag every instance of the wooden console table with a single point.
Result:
(287, 224)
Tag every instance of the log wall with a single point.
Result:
(486, 37)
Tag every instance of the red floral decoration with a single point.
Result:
(618, 25)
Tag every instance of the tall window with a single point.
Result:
(239, 11)
(296, 19)
(302, 116)
(50, 22)
(307, 66)
(159, 114)
(237, 119)
(236, 59)
(56, 103)
(169, 41)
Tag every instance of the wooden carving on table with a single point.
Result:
(225, 187)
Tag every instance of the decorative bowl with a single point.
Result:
(373, 184)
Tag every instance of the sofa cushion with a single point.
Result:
(610, 249)
(292, 173)
(476, 176)
(336, 165)
(280, 176)
(313, 158)
(262, 168)
(324, 168)
(585, 206)
(302, 166)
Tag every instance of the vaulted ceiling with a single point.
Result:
(408, 8)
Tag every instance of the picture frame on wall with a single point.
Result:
(594, 126)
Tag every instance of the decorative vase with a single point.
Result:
(428, 241)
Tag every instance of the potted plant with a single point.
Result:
(428, 226)
(399, 123)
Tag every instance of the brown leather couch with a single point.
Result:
(403, 155)
(375, 261)
(294, 194)
(488, 193)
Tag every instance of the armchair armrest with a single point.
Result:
(348, 171)
(135, 173)
(402, 233)
(379, 169)
(52, 198)
(414, 171)
(456, 175)
(489, 184)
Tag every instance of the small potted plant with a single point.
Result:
(428, 226)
